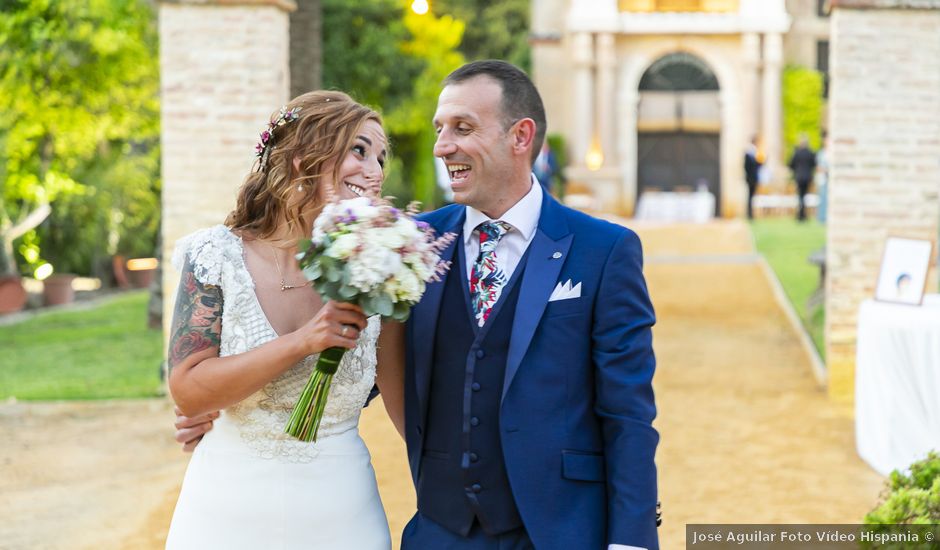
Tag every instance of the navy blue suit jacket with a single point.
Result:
(577, 405)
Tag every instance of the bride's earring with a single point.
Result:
(300, 188)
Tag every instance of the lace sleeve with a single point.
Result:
(206, 249)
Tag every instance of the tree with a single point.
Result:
(79, 127)
(306, 46)
(434, 40)
(500, 30)
(386, 56)
(802, 105)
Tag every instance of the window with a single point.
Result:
(822, 63)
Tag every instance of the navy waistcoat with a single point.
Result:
(463, 474)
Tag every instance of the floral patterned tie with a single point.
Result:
(486, 277)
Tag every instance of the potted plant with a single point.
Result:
(12, 294)
(57, 289)
(12, 226)
(140, 271)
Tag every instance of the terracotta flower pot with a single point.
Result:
(12, 294)
(141, 271)
(120, 272)
(141, 278)
(57, 290)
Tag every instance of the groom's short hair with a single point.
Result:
(520, 97)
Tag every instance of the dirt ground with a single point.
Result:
(747, 435)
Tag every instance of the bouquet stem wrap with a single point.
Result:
(305, 419)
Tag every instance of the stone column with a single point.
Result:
(750, 91)
(771, 119)
(884, 128)
(224, 70)
(628, 100)
(606, 97)
(582, 48)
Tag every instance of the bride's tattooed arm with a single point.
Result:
(197, 318)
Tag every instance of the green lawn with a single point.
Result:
(105, 351)
(787, 246)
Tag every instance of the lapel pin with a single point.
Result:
(556, 255)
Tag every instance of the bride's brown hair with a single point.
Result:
(324, 131)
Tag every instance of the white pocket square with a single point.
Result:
(565, 291)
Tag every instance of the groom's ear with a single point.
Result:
(523, 137)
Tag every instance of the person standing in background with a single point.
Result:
(803, 165)
(752, 164)
(822, 177)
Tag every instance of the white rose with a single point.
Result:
(343, 246)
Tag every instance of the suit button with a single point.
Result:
(481, 354)
(476, 487)
(475, 386)
(474, 421)
(474, 457)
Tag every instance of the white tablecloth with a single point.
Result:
(676, 207)
(897, 383)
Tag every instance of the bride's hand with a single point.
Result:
(189, 431)
(336, 325)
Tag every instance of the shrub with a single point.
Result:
(913, 498)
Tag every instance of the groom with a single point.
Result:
(528, 397)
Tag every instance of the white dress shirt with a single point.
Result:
(523, 217)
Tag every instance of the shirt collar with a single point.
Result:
(523, 216)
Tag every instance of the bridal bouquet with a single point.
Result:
(366, 252)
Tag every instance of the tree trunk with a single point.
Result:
(7, 263)
(155, 304)
(306, 45)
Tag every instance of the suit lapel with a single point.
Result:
(425, 315)
(547, 253)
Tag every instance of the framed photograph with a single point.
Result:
(903, 275)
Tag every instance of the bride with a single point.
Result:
(246, 333)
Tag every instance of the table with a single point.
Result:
(897, 383)
(676, 207)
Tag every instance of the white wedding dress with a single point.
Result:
(249, 485)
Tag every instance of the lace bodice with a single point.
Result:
(217, 256)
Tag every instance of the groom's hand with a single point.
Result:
(189, 431)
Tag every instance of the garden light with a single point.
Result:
(595, 157)
(420, 7)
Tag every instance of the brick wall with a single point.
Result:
(884, 124)
(224, 70)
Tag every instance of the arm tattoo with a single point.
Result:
(197, 318)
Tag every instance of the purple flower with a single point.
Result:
(265, 136)
(423, 226)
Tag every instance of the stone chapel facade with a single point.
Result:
(666, 94)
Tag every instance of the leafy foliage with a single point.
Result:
(79, 127)
(385, 55)
(802, 105)
(913, 498)
(495, 30)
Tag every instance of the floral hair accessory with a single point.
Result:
(263, 148)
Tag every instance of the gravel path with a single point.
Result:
(747, 435)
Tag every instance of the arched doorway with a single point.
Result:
(679, 127)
